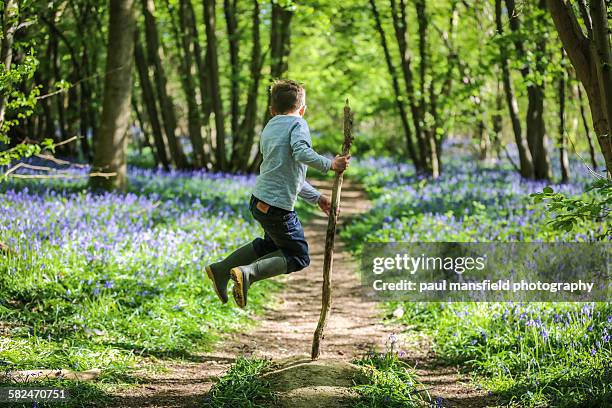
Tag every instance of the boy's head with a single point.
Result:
(287, 97)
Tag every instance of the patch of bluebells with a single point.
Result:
(470, 202)
(518, 347)
(141, 249)
(162, 211)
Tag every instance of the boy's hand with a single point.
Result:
(340, 163)
(325, 204)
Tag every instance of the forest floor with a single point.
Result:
(284, 334)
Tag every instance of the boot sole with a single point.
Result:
(238, 290)
(210, 274)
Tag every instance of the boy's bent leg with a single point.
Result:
(291, 256)
(266, 267)
(219, 272)
(288, 236)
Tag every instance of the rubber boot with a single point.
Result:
(219, 272)
(266, 267)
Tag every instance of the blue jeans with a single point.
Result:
(282, 230)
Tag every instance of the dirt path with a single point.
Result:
(354, 327)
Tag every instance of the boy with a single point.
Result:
(286, 147)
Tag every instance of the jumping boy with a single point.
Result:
(286, 147)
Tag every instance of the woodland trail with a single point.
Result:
(285, 330)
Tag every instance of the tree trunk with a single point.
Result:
(497, 120)
(234, 52)
(589, 58)
(525, 159)
(193, 115)
(429, 153)
(587, 131)
(602, 49)
(148, 97)
(10, 22)
(563, 158)
(165, 101)
(536, 132)
(396, 89)
(215, 88)
(111, 145)
(247, 127)
(536, 128)
(203, 81)
(85, 103)
(400, 26)
(59, 105)
(146, 141)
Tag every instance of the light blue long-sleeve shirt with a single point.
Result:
(286, 147)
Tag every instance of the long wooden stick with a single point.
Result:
(331, 236)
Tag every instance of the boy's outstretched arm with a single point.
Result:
(301, 145)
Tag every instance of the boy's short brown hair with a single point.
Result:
(286, 96)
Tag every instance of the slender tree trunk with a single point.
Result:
(536, 132)
(193, 112)
(247, 127)
(430, 153)
(203, 80)
(563, 157)
(145, 136)
(148, 96)
(165, 101)
(84, 125)
(10, 22)
(215, 88)
(85, 103)
(41, 77)
(72, 118)
(484, 140)
(400, 26)
(497, 121)
(587, 131)
(396, 89)
(59, 105)
(526, 163)
(201, 59)
(94, 88)
(536, 128)
(111, 145)
(234, 52)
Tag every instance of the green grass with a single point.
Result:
(242, 386)
(392, 383)
(536, 354)
(104, 281)
(528, 354)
